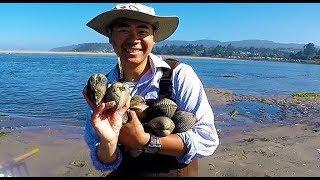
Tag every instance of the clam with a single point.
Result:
(97, 86)
(138, 105)
(118, 92)
(136, 100)
(161, 126)
(163, 107)
(183, 121)
(234, 113)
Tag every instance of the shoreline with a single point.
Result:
(262, 150)
(102, 54)
(272, 151)
(164, 56)
(51, 52)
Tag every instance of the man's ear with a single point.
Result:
(154, 34)
(110, 40)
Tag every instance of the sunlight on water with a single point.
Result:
(50, 86)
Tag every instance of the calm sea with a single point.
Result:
(50, 86)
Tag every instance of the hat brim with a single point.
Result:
(167, 24)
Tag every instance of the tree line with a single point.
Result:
(309, 53)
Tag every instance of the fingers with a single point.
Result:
(133, 116)
(103, 108)
(107, 105)
(110, 104)
(123, 110)
(98, 111)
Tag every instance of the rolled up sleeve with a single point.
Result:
(202, 140)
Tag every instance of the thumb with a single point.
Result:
(134, 117)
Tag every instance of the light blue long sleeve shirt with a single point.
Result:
(188, 92)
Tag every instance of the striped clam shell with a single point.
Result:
(138, 104)
(183, 121)
(161, 126)
(163, 107)
(136, 100)
(97, 87)
(118, 92)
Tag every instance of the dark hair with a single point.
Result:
(109, 27)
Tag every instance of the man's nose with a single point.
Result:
(133, 36)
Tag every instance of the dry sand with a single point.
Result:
(98, 53)
(275, 150)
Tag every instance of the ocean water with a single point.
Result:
(48, 87)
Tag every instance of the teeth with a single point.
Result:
(132, 50)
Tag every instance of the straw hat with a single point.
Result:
(166, 24)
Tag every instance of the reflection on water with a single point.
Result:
(253, 112)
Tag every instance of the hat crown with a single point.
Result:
(135, 7)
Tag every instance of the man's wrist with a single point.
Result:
(146, 140)
(153, 146)
(109, 143)
(107, 154)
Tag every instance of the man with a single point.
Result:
(133, 29)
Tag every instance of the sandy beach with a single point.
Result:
(52, 52)
(97, 53)
(269, 150)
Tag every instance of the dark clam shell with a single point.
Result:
(97, 87)
(118, 92)
(138, 104)
(136, 100)
(183, 121)
(161, 126)
(163, 107)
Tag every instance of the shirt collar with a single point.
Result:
(155, 62)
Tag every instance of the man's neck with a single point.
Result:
(133, 72)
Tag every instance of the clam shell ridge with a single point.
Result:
(97, 86)
(163, 107)
(118, 92)
(162, 126)
(137, 100)
(183, 121)
(138, 104)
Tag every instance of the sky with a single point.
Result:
(43, 26)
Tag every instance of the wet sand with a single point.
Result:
(268, 150)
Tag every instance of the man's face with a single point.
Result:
(132, 40)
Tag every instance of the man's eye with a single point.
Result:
(143, 32)
(123, 30)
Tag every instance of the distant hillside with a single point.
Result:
(243, 43)
(85, 47)
(106, 47)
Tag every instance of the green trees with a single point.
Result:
(309, 53)
(221, 51)
(309, 50)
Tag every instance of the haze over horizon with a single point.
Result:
(43, 26)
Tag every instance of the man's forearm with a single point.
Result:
(107, 152)
(172, 145)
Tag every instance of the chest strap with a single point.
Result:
(165, 84)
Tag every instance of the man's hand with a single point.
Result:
(106, 122)
(132, 134)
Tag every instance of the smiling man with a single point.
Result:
(133, 29)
